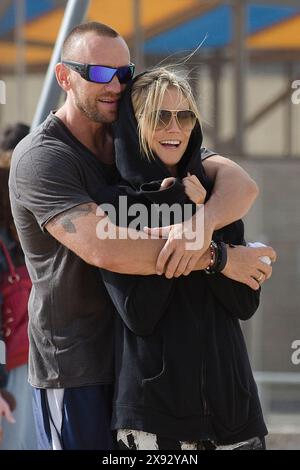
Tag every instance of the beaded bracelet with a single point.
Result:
(218, 259)
(213, 257)
(222, 257)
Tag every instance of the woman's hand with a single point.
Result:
(194, 189)
(167, 182)
(244, 265)
(187, 242)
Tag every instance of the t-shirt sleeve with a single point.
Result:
(206, 153)
(47, 183)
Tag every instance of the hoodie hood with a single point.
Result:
(134, 167)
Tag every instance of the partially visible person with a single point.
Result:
(18, 431)
(11, 135)
(7, 405)
(7, 401)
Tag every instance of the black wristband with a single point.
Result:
(222, 257)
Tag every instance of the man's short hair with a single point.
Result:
(99, 29)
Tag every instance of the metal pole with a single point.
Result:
(74, 14)
(289, 114)
(216, 69)
(20, 18)
(239, 13)
(138, 37)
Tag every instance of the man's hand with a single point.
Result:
(243, 265)
(180, 253)
(194, 189)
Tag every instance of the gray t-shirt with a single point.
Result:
(70, 313)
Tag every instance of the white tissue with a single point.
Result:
(264, 259)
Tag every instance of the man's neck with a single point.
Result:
(96, 137)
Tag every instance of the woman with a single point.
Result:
(183, 378)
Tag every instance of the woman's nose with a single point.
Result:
(173, 124)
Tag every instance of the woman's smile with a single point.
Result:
(169, 143)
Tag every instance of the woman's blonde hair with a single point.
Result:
(147, 95)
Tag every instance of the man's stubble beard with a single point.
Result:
(91, 111)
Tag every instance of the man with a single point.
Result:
(59, 175)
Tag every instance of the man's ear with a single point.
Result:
(63, 76)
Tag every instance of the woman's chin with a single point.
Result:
(170, 160)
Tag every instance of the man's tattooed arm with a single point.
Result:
(66, 219)
(76, 229)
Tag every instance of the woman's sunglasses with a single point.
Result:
(186, 119)
(102, 73)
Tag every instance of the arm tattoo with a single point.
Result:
(65, 219)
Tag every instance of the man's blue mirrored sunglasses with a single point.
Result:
(101, 73)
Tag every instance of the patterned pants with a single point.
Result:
(129, 439)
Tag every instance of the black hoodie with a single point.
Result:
(182, 369)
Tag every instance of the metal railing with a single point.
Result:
(287, 378)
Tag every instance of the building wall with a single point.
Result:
(275, 220)
(267, 137)
(21, 98)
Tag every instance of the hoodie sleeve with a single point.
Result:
(173, 194)
(239, 300)
(141, 301)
